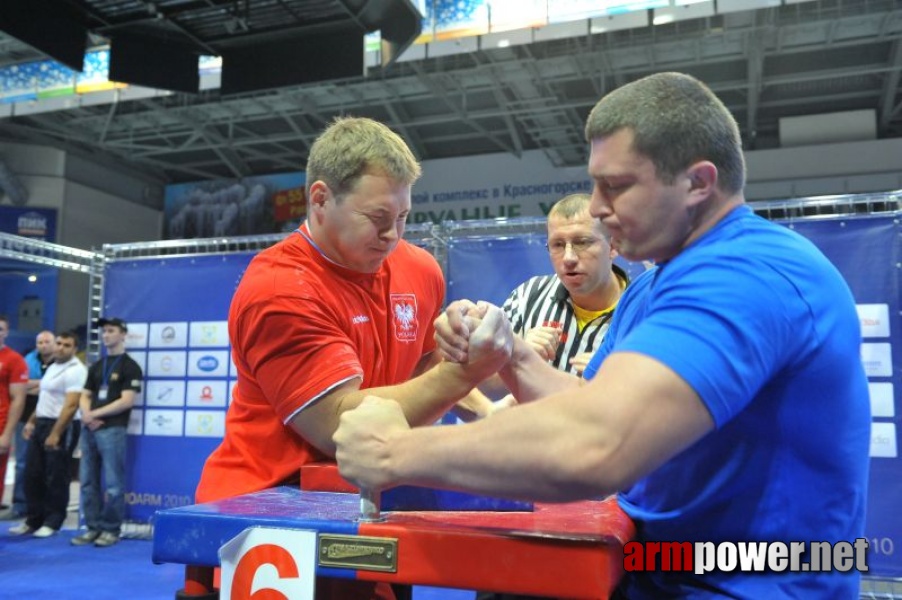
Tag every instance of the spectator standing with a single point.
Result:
(106, 403)
(13, 381)
(52, 436)
(37, 360)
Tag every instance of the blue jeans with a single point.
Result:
(103, 451)
(20, 505)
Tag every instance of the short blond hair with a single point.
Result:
(571, 206)
(354, 146)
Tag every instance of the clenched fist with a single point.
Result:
(476, 336)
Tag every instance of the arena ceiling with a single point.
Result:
(822, 56)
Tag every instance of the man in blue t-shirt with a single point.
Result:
(727, 403)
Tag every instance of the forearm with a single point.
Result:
(529, 377)
(16, 406)
(65, 417)
(423, 399)
(539, 452)
(595, 439)
(84, 404)
(426, 398)
(119, 405)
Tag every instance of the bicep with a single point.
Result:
(17, 391)
(128, 397)
(637, 413)
(317, 421)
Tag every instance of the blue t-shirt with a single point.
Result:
(763, 327)
(33, 360)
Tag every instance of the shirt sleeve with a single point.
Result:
(34, 365)
(132, 377)
(75, 379)
(91, 382)
(18, 370)
(706, 324)
(296, 350)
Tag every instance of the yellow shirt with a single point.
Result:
(584, 317)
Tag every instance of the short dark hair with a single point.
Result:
(69, 335)
(5, 319)
(676, 120)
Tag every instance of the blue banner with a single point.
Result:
(867, 251)
(33, 223)
(177, 311)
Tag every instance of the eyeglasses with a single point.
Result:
(579, 246)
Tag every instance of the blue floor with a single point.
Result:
(52, 568)
(34, 569)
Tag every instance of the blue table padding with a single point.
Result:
(193, 534)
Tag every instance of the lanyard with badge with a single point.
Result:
(104, 386)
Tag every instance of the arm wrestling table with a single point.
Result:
(561, 550)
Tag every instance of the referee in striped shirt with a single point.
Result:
(565, 316)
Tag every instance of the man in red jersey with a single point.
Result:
(341, 308)
(13, 381)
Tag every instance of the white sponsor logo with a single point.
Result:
(882, 404)
(204, 423)
(874, 320)
(207, 393)
(877, 359)
(165, 393)
(209, 333)
(168, 335)
(136, 336)
(208, 363)
(161, 363)
(883, 440)
(163, 422)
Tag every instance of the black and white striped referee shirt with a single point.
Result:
(544, 301)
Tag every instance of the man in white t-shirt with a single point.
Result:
(52, 439)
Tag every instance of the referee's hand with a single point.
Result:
(544, 340)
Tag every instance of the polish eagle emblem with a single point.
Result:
(404, 313)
